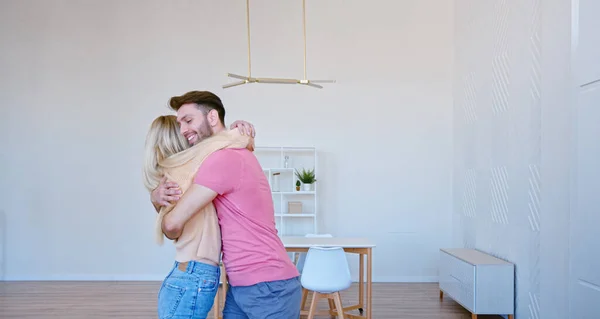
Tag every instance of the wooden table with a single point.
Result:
(360, 246)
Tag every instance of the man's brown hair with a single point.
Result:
(204, 100)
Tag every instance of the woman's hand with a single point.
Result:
(244, 127)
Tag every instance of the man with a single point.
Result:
(264, 283)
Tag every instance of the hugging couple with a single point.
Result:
(212, 197)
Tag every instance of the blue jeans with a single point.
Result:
(266, 300)
(188, 291)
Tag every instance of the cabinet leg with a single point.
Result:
(473, 316)
(511, 317)
(441, 295)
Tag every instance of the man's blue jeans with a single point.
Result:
(266, 300)
(188, 291)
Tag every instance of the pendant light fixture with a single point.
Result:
(250, 79)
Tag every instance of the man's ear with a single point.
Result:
(213, 118)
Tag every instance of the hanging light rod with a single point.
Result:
(250, 79)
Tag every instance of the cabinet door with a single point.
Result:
(447, 282)
(457, 278)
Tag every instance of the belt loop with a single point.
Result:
(191, 265)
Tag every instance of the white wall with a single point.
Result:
(512, 139)
(81, 82)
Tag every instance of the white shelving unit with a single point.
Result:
(284, 162)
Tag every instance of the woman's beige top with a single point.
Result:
(201, 236)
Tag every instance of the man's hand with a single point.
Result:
(165, 194)
(244, 127)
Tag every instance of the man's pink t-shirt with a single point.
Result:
(252, 251)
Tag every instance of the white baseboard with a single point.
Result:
(399, 279)
(154, 277)
(137, 277)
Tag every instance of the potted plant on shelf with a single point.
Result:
(298, 185)
(307, 177)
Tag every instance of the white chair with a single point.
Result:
(300, 264)
(326, 273)
(302, 256)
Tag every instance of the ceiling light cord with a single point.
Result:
(248, 28)
(304, 36)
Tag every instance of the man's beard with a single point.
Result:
(204, 131)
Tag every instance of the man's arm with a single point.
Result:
(219, 174)
(194, 199)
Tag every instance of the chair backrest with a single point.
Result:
(302, 256)
(326, 264)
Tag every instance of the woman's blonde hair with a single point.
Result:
(163, 141)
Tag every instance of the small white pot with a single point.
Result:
(307, 187)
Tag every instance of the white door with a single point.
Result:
(2, 244)
(585, 215)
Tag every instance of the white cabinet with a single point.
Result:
(481, 283)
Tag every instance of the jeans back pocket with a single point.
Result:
(169, 298)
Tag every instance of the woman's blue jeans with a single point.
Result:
(188, 291)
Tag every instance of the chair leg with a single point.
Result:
(331, 304)
(313, 305)
(304, 297)
(338, 305)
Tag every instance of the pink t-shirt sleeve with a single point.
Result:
(220, 171)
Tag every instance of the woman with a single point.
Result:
(189, 289)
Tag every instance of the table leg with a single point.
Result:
(225, 281)
(217, 305)
(369, 281)
(361, 283)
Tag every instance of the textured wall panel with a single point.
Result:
(497, 130)
(469, 208)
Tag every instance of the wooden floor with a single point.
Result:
(124, 300)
